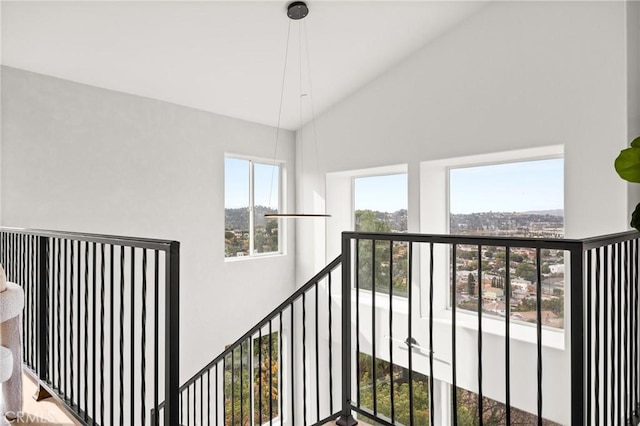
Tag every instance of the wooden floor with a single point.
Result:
(43, 413)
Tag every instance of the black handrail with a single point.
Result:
(295, 296)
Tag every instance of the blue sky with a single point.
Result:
(383, 193)
(511, 187)
(236, 184)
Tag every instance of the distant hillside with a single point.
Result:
(239, 218)
(501, 223)
(556, 212)
(397, 220)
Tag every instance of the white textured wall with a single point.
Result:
(515, 76)
(79, 158)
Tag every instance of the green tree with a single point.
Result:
(527, 271)
(471, 284)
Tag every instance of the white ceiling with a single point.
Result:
(223, 57)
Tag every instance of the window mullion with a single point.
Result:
(251, 209)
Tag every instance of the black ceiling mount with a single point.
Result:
(297, 10)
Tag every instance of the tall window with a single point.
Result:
(252, 189)
(381, 206)
(518, 199)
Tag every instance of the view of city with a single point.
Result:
(522, 270)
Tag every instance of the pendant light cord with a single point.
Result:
(275, 148)
(313, 112)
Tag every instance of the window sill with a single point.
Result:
(254, 257)
(522, 332)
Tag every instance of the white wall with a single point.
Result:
(79, 158)
(515, 76)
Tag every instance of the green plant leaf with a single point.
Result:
(635, 218)
(636, 142)
(628, 164)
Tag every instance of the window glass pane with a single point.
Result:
(381, 206)
(520, 199)
(236, 203)
(266, 180)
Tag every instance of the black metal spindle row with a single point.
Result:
(74, 340)
(281, 371)
(377, 363)
(612, 348)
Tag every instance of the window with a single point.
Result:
(380, 205)
(252, 189)
(516, 199)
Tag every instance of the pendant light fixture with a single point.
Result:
(296, 11)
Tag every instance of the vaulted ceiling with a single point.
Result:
(224, 57)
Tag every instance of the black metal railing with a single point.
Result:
(601, 324)
(101, 321)
(277, 372)
(401, 329)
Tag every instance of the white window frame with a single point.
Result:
(281, 173)
(434, 219)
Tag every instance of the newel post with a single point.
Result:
(346, 419)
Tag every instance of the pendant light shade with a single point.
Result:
(296, 11)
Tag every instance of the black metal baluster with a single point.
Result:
(374, 379)
(260, 418)
(65, 315)
(304, 359)
(133, 344)
(233, 388)
(102, 281)
(56, 288)
(85, 373)
(209, 397)
(454, 375)
(507, 335)
(72, 286)
(216, 394)
(612, 317)
(479, 291)
(627, 406)
(605, 319)
(121, 347)
(410, 330)
(539, 330)
(590, 347)
(431, 399)
(143, 341)
(635, 292)
(330, 348)
(597, 339)
(111, 333)
(620, 417)
(636, 311)
(224, 391)
(293, 382)
(156, 326)
(317, 359)
(93, 324)
(280, 368)
(357, 282)
(391, 380)
(270, 374)
(241, 393)
(615, 418)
